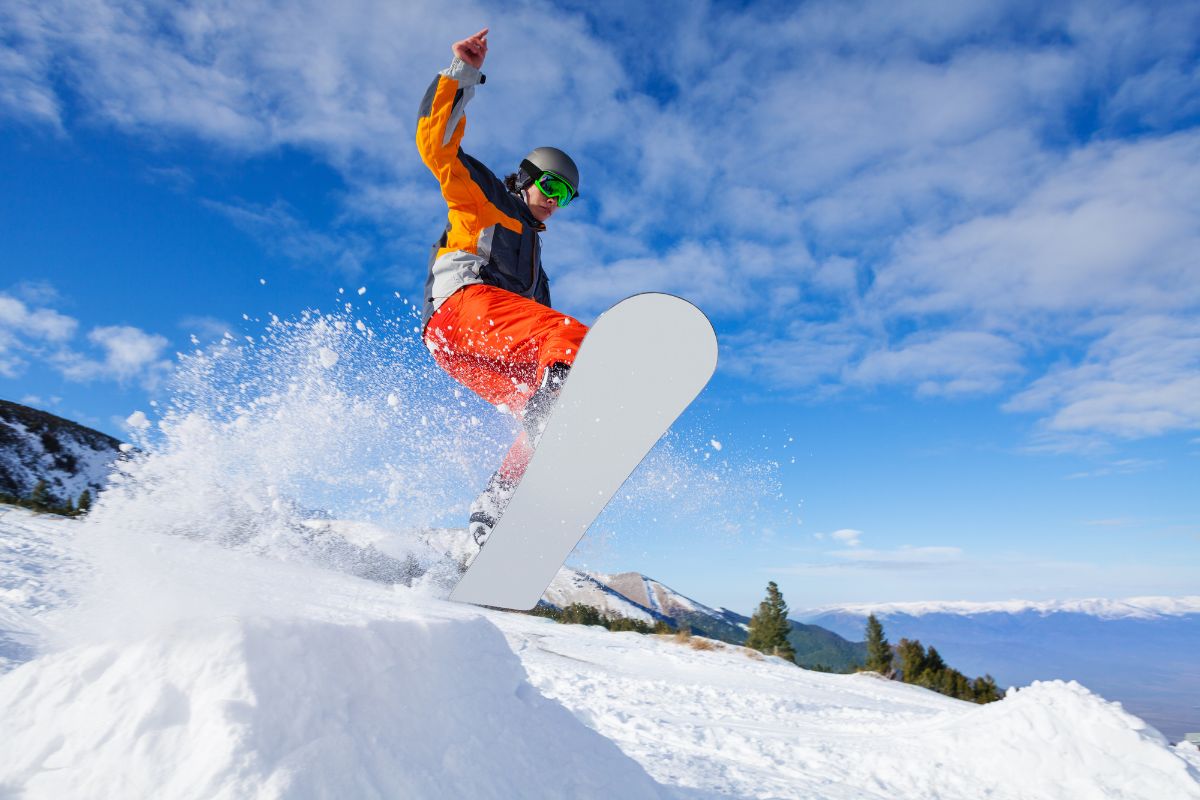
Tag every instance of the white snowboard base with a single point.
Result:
(639, 367)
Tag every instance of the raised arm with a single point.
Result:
(442, 119)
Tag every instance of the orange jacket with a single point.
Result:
(491, 237)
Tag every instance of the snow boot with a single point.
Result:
(487, 508)
(537, 409)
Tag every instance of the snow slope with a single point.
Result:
(180, 668)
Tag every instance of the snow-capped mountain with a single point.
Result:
(572, 586)
(36, 445)
(682, 610)
(632, 594)
(1142, 651)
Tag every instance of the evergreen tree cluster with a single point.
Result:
(926, 668)
(583, 614)
(923, 667)
(41, 499)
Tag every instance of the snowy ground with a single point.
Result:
(174, 668)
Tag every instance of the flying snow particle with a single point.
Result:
(327, 357)
(362, 290)
(393, 400)
(262, 281)
(715, 445)
(138, 421)
(359, 324)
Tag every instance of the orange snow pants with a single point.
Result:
(498, 344)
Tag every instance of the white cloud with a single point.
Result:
(26, 332)
(848, 536)
(895, 560)
(25, 62)
(857, 557)
(1111, 230)
(903, 555)
(38, 400)
(953, 363)
(1121, 466)
(1141, 378)
(129, 353)
(128, 350)
(43, 334)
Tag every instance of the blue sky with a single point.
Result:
(950, 250)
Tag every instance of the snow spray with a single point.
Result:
(332, 437)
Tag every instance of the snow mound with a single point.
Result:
(1086, 746)
(269, 708)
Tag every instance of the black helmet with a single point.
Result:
(549, 159)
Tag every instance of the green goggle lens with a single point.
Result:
(556, 187)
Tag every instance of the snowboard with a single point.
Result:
(639, 367)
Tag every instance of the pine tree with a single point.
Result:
(912, 659)
(879, 652)
(41, 498)
(985, 689)
(933, 661)
(769, 627)
(85, 501)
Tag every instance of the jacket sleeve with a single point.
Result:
(440, 127)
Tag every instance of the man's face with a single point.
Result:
(540, 205)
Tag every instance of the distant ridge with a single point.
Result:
(1133, 607)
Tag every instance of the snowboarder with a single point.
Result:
(487, 315)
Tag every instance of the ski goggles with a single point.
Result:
(556, 187)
